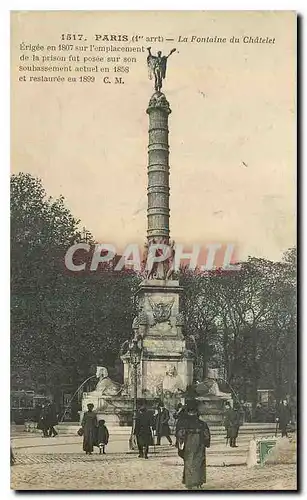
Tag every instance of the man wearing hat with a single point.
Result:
(284, 417)
(142, 431)
(161, 423)
(232, 424)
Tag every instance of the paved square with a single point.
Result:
(59, 464)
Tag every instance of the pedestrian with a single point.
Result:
(259, 413)
(236, 424)
(242, 411)
(37, 414)
(162, 429)
(179, 412)
(193, 439)
(43, 420)
(272, 412)
(143, 432)
(102, 436)
(284, 417)
(178, 416)
(89, 425)
(52, 420)
(247, 412)
(226, 420)
(232, 425)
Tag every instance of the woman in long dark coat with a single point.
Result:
(193, 439)
(89, 424)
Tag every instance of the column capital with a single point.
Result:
(158, 101)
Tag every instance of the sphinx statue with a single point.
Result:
(210, 387)
(105, 386)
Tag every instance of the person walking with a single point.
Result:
(193, 439)
(162, 424)
(180, 409)
(52, 420)
(143, 432)
(43, 420)
(235, 426)
(232, 425)
(89, 425)
(284, 418)
(178, 416)
(102, 436)
(226, 420)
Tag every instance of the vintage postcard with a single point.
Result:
(153, 250)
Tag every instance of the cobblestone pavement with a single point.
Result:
(59, 464)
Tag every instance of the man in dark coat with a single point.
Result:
(232, 425)
(180, 409)
(162, 417)
(142, 431)
(284, 417)
(89, 424)
(193, 439)
(43, 423)
(178, 416)
(52, 418)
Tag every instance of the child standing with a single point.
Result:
(103, 436)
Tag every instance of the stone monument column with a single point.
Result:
(158, 212)
(166, 365)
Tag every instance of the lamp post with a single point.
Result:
(135, 351)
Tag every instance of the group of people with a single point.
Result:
(192, 434)
(147, 425)
(233, 420)
(94, 432)
(48, 419)
(192, 438)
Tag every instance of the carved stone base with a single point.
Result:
(159, 324)
(211, 409)
(115, 410)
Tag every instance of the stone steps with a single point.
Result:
(246, 430)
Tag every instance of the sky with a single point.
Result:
(232, 128)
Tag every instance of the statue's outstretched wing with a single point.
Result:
(163, 66)
(150, 64)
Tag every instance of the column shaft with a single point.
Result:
(158, 169)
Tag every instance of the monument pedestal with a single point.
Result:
(211, 401)
(165, 364)
(115, 410)
(211, 409)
